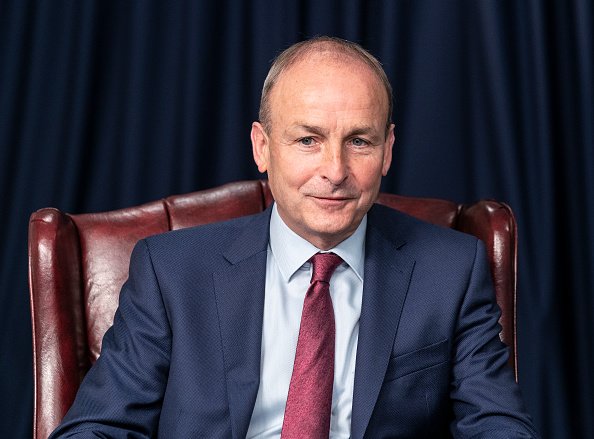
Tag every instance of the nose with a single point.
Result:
(334, 164)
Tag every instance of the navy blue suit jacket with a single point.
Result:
(182, 359)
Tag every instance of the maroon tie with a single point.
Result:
(307, 414)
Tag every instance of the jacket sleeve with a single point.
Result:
(485, 396)
(122, 394)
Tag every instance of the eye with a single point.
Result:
(307, 141)
(358, 142)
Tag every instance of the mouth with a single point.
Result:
(331, 201)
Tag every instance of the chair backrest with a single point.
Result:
(78, 263)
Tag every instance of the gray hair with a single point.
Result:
(298, 51)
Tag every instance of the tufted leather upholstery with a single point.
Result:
(77, 264)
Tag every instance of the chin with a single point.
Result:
(333, 229)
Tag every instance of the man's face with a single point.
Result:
(327, 147)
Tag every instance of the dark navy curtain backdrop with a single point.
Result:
(105, 104)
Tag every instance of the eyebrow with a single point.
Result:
(359, 130)
(309, 128)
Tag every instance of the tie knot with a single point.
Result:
(324, 265)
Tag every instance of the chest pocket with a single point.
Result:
(417, 360)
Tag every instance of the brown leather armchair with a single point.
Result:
(78, 263)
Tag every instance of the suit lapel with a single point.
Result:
(387, 278)
(239, 290)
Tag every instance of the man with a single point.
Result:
(220, 333)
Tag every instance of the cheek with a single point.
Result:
(293, 172)
(369, 177)
(286, 183)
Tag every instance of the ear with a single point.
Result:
(260, 146)
(388, 150)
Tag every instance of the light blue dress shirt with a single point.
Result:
(288, 274)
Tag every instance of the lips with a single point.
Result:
(332, 198)
(330, 195)
(329, 202)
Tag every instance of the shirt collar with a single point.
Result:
(291, 251)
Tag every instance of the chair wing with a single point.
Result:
(78, 263)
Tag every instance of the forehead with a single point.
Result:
(329, 83)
